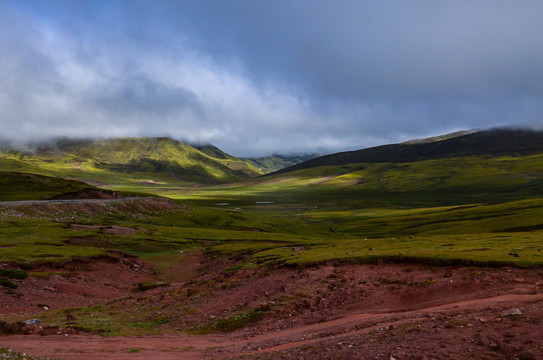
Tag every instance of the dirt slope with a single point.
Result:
(332, 311)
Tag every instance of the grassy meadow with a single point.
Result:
(468, 211)
(352, 213)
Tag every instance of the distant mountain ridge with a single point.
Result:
(276, 162)
(96, 158)
(439, 137)
(494, 142)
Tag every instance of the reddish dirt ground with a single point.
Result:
(330, 311)
(77, 283)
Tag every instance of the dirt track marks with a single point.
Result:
(219, 346)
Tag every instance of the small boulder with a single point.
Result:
(264, 307)
(33, 322)
(512, 312)
(494, 346)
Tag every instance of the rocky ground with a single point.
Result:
(329, 311)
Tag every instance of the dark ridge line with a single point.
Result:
(494, 142)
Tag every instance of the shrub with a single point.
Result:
(7, 283)
(147, 285)
(13, 274)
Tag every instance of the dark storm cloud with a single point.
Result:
(255, 77)
(380, 49)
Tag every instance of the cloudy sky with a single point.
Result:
(256, 77)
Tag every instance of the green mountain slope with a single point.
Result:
(277, 162)
(125, 161)
(484, 168)
(18, 186)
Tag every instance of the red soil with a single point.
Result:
(324, 312)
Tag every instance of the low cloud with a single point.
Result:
(260, 77)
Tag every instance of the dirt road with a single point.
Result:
(327, 334)
(73, 201)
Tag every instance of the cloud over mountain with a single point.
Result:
(261, 77)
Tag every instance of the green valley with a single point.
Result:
(187, 229)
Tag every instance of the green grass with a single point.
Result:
(276, 162)
(230, 322)
(133, 164)
(28, 241)
(284, 238)
(19, 186)
(111, 319)
(13, 274)
(460, 211)
(7, 283)
(480, 249)
(524, 215)
(430, 183)
(288, 237)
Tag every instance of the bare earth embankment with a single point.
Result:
(329, 311)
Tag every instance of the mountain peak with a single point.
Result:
(492, 142)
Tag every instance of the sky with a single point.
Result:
(256, 77)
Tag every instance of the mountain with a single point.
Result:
(277, 162)
(266, 164)
(213, 151)
(495, 142)
(488, 166)
(127, 160)
(440, 137)
(17, 186)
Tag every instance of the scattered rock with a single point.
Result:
(264, 307)
(483, 320)
(33, 322)
(512, 312)
(493, 346)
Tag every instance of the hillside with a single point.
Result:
(440, 137)
(17, 186)
(496, 142)
(125, 161)
(275, 162)
(351, 257)
(483, 167)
